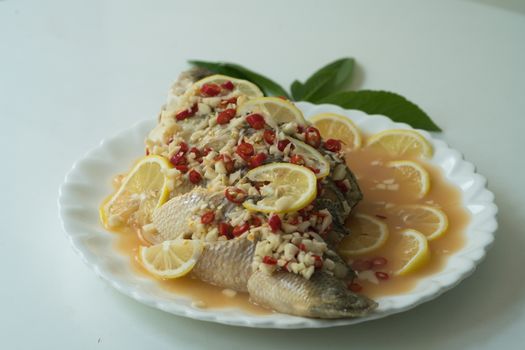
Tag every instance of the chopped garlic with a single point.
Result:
(230, 293)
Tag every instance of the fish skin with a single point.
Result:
(332, 200)
(354, 194)
(171, 219)
(322, 296)
(227, 264)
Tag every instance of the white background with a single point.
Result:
(74, 72)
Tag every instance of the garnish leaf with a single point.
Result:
(328, 80)
(390, 104)
(218, 68)
(268, 86)
(297, 90)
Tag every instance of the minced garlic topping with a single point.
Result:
(211, 146)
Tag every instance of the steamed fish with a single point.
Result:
(284, 260)
(229, 264)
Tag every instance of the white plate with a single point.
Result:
(89, 181)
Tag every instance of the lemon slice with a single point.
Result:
(430, 221)
(275, 110)
(244, 87)
(309, 153)
(401, 142)
(339, 127)
(171, 259)
(144, 189)
(289, 188)
(366, 235)
(412, 175)
(413, 247)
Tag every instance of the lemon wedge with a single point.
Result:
(412, 175)
(339, 127)
(309, 153)
(289, 188)
(244, 87)
(430, 221)
(401, 143)
(414, 252)
(275, 110)
(366, 235)
(144, 189)
(171, 259)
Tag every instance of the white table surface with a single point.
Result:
(74, 72)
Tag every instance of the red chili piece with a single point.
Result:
(210, 90)
(179, 158)
(196, 151)
(183, 147)
(225, 229)
(187, 112)
(361, 265)
(225, 116)
(378, 262)
(256, 221)
(275, 222)
(182, 168)
(297, 159)
(195, 177)
(318, 262)
(355, 287)
(256, 121)
(208, 217)
(312, 137)
(244, 150)
(281, 145)
(341, 185)
(302, 247)
(229, 164)
(382, 275)
(314, 170)
(269, 136)
(240, 229)
(257, 160)
(332, 145)
(269, 260)
(206, 151)
(225, 103)
(147, 152)
(300, 129)
(228, 85)
(235, 195)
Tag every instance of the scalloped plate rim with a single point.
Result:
(181, 305)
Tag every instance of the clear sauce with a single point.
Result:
(364, 164)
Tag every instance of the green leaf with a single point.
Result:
(390, 104)
(297, 90)
(268, 86)
(218, 68)
(328, 80)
